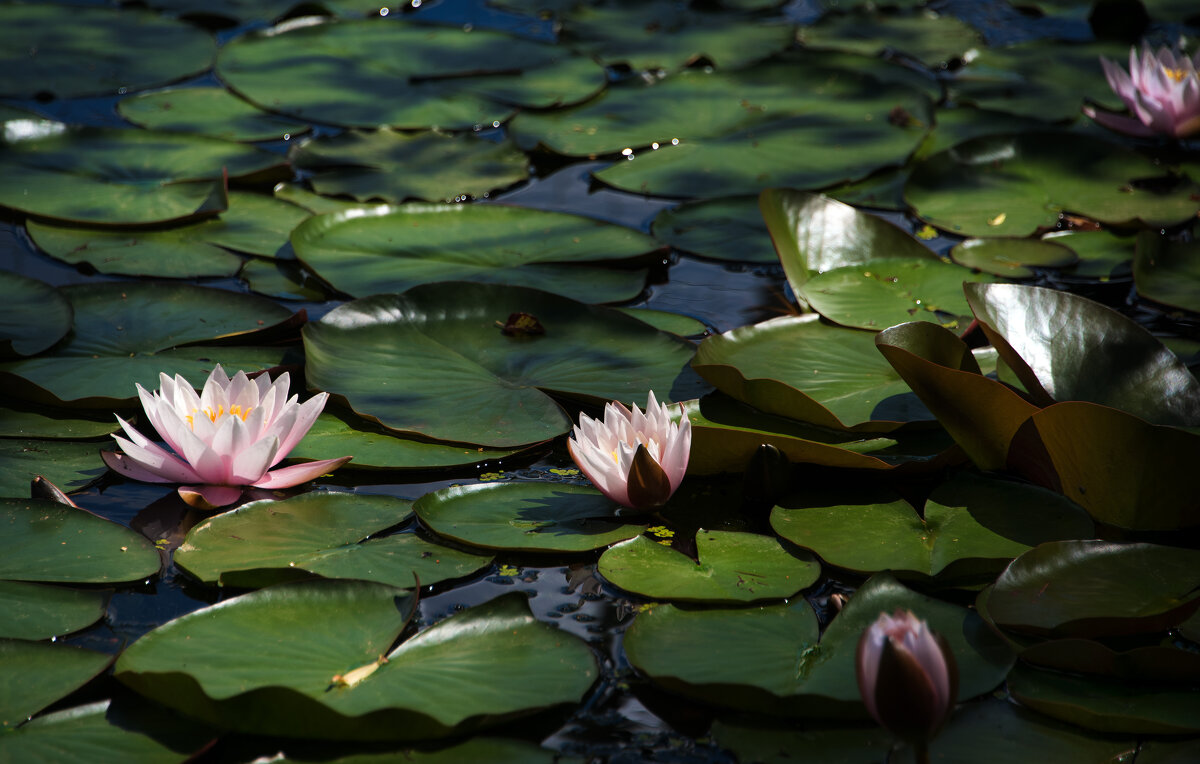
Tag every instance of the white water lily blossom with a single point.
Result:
(1161, 90)
(636, 459)
(224, 439)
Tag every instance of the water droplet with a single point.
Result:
(383, 11)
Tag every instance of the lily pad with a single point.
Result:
(781, 668)
(1012, 185)
(1096, 588)
(969, 529)
(1124, 471)
(342, 680)
(1012, 258)
(125, 49)
(981, 414)
(207, 111)
(334, 435)
(283, 279)
(666, 321)
(68, 464)
(767, 745)
(658, 34)
(1152, 663)
(1102, 254)
(112, 345)
(383, 72)
(1066, 347)
(362, 252)
(433, 361)
(882, 293)
(105, 176)
(1168, 271)
(721, 229)
(393, 166)
(1107, 706)
(33, 315)
(35, 611)
(253, 223)
(732, 567)
(800, 368)
(35, 674)
(925, 36)
(333, 535)
(525, 517)
(813, 234)
(51, 542)
(103, 730)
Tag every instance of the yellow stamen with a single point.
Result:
(213, 416)
(1176, 75)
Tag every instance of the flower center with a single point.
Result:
(1176, 75)
(213, 416)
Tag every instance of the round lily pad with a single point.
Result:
(125, 49)
(333, 535)
(393, 166)
(113, 346)
(732, 567)
(35, 674)
(1167, 271)
(33, 315)
(434, 361)
(780, 667)
(334, 435)
(207, 111)
(1096, 588)
(51, 542)
(106, 176)
(340, 678)
(68, 464)
(36, 611)
(1102, 255)
(529, 517)
(800, 368)
(927, 37)
(386, 72)
(385, 249)
(969, 530)
(1012, 185)
(722, 229)
(882, 293)
(1012, 258)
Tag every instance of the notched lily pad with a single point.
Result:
(33, 315)
(35, 674)
(207, 111)
(36, 611)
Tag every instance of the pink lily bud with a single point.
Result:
(906, 675)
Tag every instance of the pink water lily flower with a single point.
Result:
(636, 459)
(224, 439)
(906, 676)
(1162, 92)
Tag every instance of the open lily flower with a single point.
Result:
(226, 438)
(636, 459)
(906, 676)
(1162, 92)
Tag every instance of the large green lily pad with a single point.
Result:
(1095, 588)
(35, 674)
(969, 530)
(732, 567)
(106, 176)
(1012, 185)
(393, 166)
(1102, 254)
(112, 345)
(1066, 347)
(70, 465)
(387, 249)
(528, 517)
(385, 72)
(722, 229)
(927, 37)
(33, 315)
(333, 681)
(97, 50)
(51, 542)
(36, 611)
(335, 434)
(207, 111)
(779, 667)
(433, 361)
(334, 535)
(882, 293)
(1012, 258)
(799, 367)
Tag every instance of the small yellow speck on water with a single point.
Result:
(563, 472)
(998, 220)
(508, 570)
(662, 531)
(926, 233)
(491, 476)
(124, 549)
